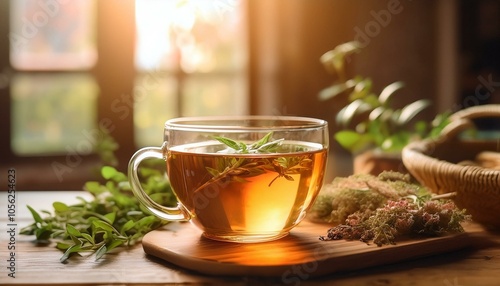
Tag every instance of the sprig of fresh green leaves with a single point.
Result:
(263, 145)
(113, 218)
(237, 169)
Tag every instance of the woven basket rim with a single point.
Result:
(414, 156)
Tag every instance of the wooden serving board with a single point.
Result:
(299, 253)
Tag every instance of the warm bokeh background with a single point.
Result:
(70, 69)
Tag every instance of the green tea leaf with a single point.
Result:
(93, 187)
(100, 252)
(348, 113)
(421, 128)
(62, 245)
(353, 141)
(42, 233)
(334, 60)
(145, 221)
(389, 90)
(348, 138)
(127, 226)
(361, 90)
(89, 238)
(212, 171)
(114, 245)
(262, 141)
(335, 90)
(73, 231)
(242, 148)
(35, 215)
(72, 249)
(410, 111)
(110, 217)
(270, 147)
(60, 207)
(103, 225)
(108, 172)
(228, 142)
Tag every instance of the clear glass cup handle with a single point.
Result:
(168, 213)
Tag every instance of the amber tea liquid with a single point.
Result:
(246, 197)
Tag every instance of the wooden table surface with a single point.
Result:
(477, 265)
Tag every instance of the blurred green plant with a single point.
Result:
(105, 148)
(369, 120)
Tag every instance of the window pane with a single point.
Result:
(52, 35)
(154, 49)
(155, 101)
(52, 114)
(214, 95)
(197, 35)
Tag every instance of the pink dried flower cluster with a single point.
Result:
(399, 218)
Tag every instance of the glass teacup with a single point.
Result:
(239, 179)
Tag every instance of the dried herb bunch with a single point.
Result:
(399, 219)
(387, 208)
(361, 193)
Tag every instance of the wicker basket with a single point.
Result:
(434, 164)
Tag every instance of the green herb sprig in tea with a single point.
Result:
(240, 168)
(249, 187)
